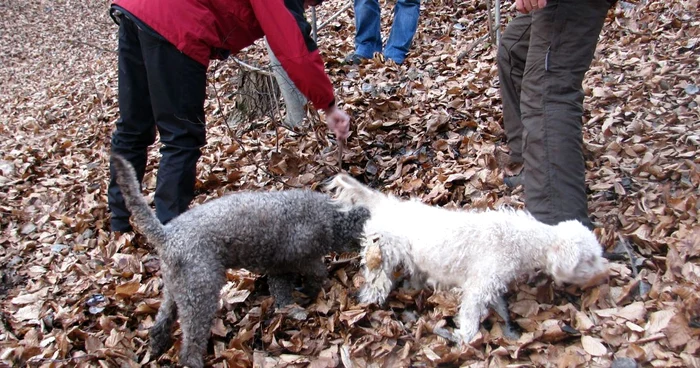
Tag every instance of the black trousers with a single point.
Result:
(163, 90)
(542, 60)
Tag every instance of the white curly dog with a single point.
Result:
(480, 252)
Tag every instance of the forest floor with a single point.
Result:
(74, 295)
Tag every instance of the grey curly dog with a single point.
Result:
(283, 234)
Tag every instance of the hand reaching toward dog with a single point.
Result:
(526, 6)
(338, 122)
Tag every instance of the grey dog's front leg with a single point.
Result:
(281, 287)
(314, 276)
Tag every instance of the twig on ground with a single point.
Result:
(250, 67)
(629, 255)
(492, 32)
(341, 144)
(276, 122)
(335, 15)
(42, 361)
(471, 47)
(83, 43)
(5, 326)
(633, 265)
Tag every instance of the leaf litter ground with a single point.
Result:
(74, 295)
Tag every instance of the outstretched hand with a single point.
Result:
(338, 122)
(526, 6)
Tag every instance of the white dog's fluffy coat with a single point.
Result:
(479, 252)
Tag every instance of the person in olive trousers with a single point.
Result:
(543, 56)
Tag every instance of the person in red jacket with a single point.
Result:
(164, 51)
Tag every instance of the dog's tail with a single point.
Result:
(352, 192)
(143, 217)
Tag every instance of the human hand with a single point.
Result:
(526, 6)
(338, 122)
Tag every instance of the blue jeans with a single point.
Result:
(368, 38)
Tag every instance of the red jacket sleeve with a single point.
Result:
(288, 34)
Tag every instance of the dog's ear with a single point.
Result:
(347, 228)
(359, 215)
(340, 186)
(562, 259)
(346, 180)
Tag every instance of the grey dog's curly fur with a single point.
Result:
(282, 234)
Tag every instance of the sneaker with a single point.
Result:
(513, 180)
(355, 59)
(398, 60)
(121, 227)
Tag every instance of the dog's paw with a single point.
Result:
(447, 335)
(510, 332)
(160, 344)
(294, 312)
(299, 314)
(369, 295)
(191, 361)
(467, 333)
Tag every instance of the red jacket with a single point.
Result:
(199, 27)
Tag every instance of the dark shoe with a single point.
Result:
(120, 224)
(355, 59)
(513, 180)
(395, 59)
